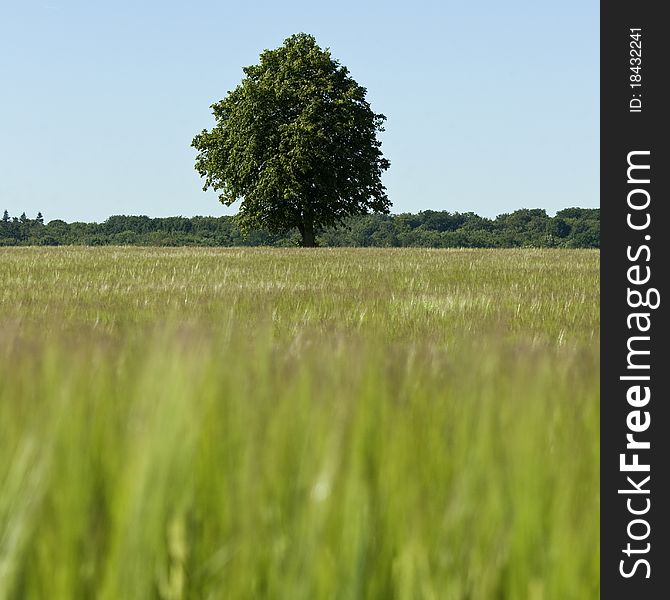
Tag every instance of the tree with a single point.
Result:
(296, 141)
(40, 219)
(559, 227)
(5, 217)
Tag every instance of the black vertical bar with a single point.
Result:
(633, 120)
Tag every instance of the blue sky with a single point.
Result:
(491, 106)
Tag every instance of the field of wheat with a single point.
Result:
(299, 424)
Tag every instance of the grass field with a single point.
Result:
(299, 424)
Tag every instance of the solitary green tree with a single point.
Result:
(296, 142)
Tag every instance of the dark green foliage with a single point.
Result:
(296, 141)
(570, 228)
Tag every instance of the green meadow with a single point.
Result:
(299, 424)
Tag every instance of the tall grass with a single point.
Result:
(299, 424)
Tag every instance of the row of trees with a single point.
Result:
(569, 228)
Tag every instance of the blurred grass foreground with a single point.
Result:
(299, 424)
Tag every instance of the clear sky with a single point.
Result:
(491, 106)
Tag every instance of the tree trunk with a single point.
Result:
(307, 232)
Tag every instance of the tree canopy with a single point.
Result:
(297, 143)
(570, 228)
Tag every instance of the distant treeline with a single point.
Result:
(569, 228)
